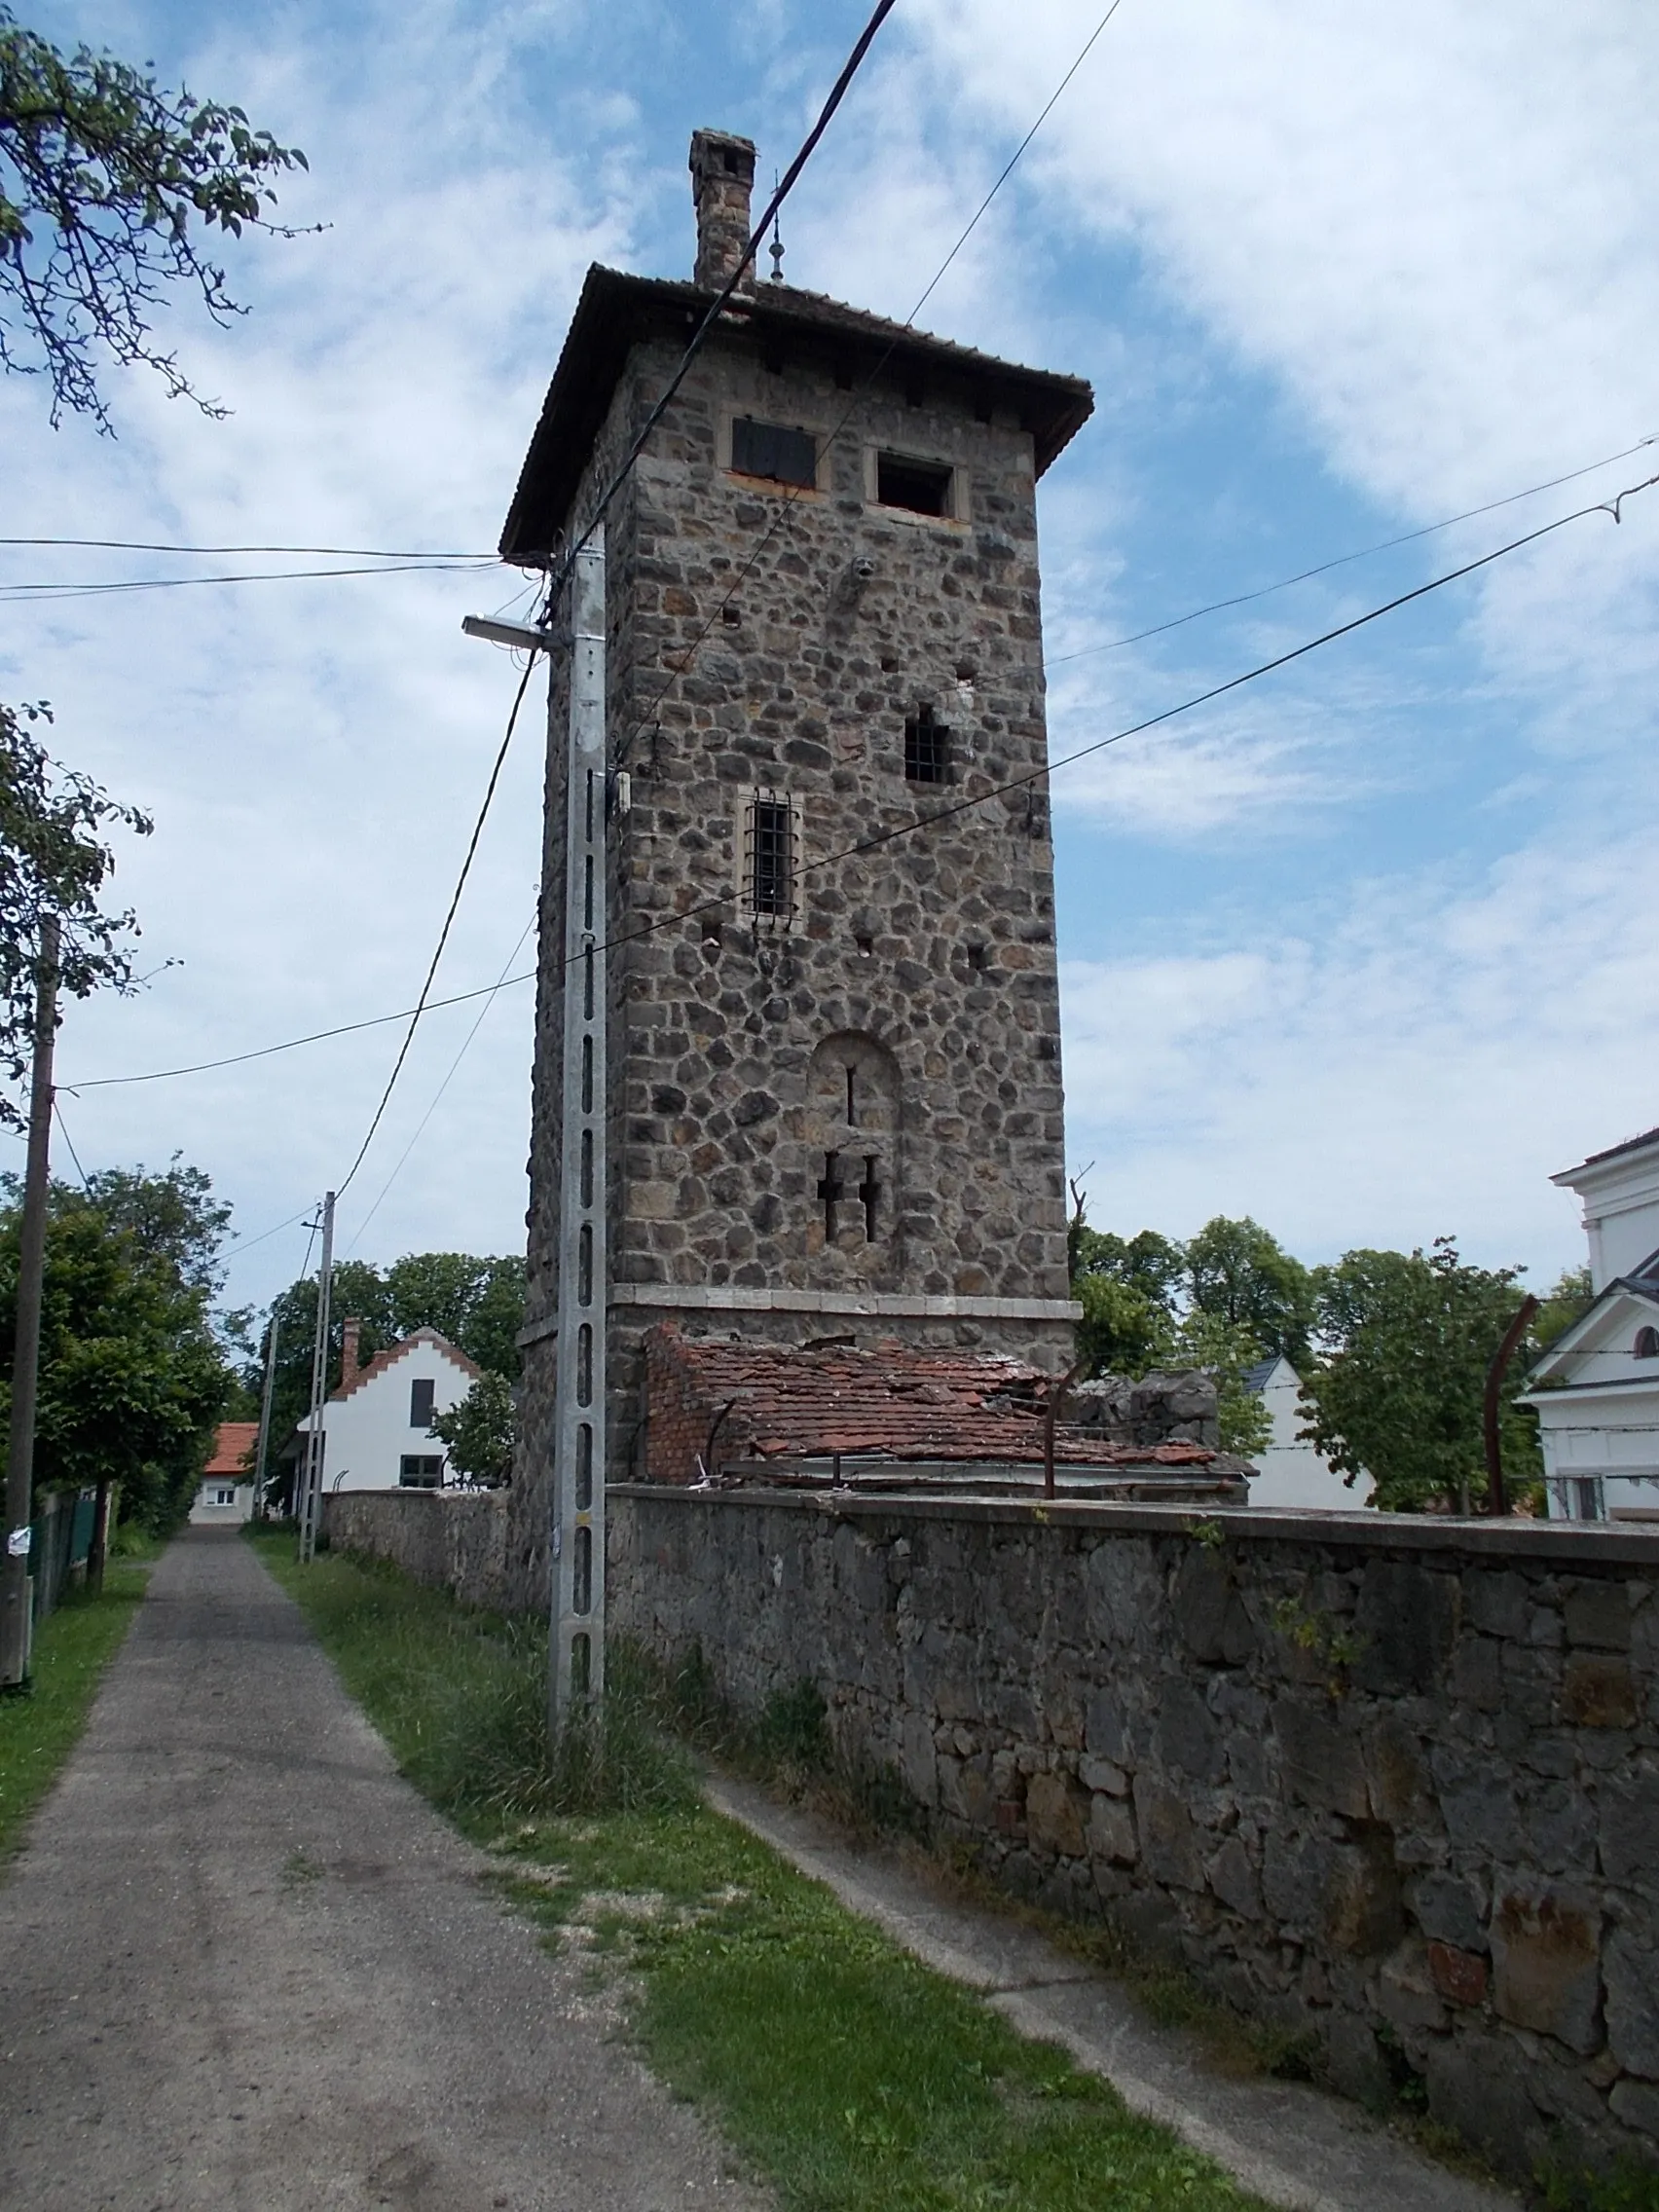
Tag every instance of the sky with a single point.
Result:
(1361, 949)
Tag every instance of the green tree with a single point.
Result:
(1126, 1287)
(172, 1217)
(53, 860)
(1240, 1274)
(1399, 1393)
(478, 1303)
(110, 189)
(480, 1430)
(1568, 1301)
(1228, 1351)
(132, 1378)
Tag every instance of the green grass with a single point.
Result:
(844, 2072)
(39, 1730)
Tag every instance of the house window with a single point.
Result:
(420, 1402)
(1646, 1345)
(1586, 1498)
(768, 450)
(927, 748)
(769, 856)
(919, 487)
(224, 1496)
(420, 1470)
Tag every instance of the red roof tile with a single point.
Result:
(394, 1352)
(235, 1441)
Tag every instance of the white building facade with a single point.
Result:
(1290, 1472)
(376, 1426)
(1596, 1389)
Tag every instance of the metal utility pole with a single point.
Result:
(575, 1673)
(311, 1503)
(16, 1607)
(264, 1440)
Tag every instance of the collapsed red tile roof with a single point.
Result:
(234, 1440)
(894, 1401)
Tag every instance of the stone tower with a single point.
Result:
(835, 1103)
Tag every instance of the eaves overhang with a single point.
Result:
(616, 312)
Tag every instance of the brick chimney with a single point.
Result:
(351, 1330)
(722, 176)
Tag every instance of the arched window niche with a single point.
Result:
(850, 1129)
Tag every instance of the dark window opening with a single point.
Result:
(832, 1190)
(851, 1098)
(921, 487)
(730, 615)
(1587, 1498)
(1646, 1345)
(421, 1403)
(865, 946)
(927, 748)
(769, 449)
(978, 958)
(771, 860)
(869, 1190)
(420, 1470)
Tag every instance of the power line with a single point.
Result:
(500, 985)
(63, 1132)
(34, 594)
(1342, 560)
(791, 495)
(443, 934)
(240, 1244)
(341, 552)
(961, 806)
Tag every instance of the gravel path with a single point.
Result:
(243, 1966)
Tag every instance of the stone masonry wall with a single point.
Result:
(447, 1539)
(1388, 1783)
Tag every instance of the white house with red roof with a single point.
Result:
(1596, 1389)
(376, 1426)
(225, 1498)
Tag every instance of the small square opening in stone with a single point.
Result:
(927, 748)
(731, 615)
(919, 487)
(772, 451)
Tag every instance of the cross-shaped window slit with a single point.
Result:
(869, 1190)
(832, 1190)
(927, 748)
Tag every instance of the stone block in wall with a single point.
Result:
(1355, 2062)
(918, 1761)
(1598, 1691)
(1637, 2104)
(1057, 1814)
(1496, 1603)
(1397, 1777)
(1547, 1966)
(1407, 1624)
(1235, 1880)
(1186, 1736)
(1320, 1758)
(1460, 1976)
(1112, 1829)
(1294, 1869)
(1474, 2087)
(1448, 1909)
(1632, 1975)
(1596, 1614)
(1409, 1995)
(1477, 1801)
(1628, 1810)
(1209, 1613)
(1168, 1841)
(1557, 1827)
(1361, 1908)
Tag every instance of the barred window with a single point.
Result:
(927, 748)
(775, 452)
(769, 856)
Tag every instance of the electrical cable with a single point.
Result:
(63, 1132)
(1342, 560)
(945, 813)
(789, 496)
(30, 594)
(443, 934)
(237, 1245)
(455, 1065)
(341, 552)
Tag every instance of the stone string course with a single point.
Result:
(1392, 1785)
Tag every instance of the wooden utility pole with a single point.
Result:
(16, 1608)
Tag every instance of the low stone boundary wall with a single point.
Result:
(1389, 1783)
(453, 1540)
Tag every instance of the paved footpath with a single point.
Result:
(243, 1966)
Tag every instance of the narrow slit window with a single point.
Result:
(772, 857)
(927, 748)
(919, 487)
(770, 451)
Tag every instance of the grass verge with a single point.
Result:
(846, 2073)
(38, 1731)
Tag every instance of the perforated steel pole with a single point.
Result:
(575, 1672)
(311, 1503)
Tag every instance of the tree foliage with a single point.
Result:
(1399, 1394)
(132, 1378)
(53, 860)
(480, 1430)
(1242, 1275)
(110, 189)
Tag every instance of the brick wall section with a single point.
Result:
(447, 1539)
(1388, 1783)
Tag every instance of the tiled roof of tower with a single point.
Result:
(616, 310)
(896, 1401)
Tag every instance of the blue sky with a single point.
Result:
(1363, 952)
